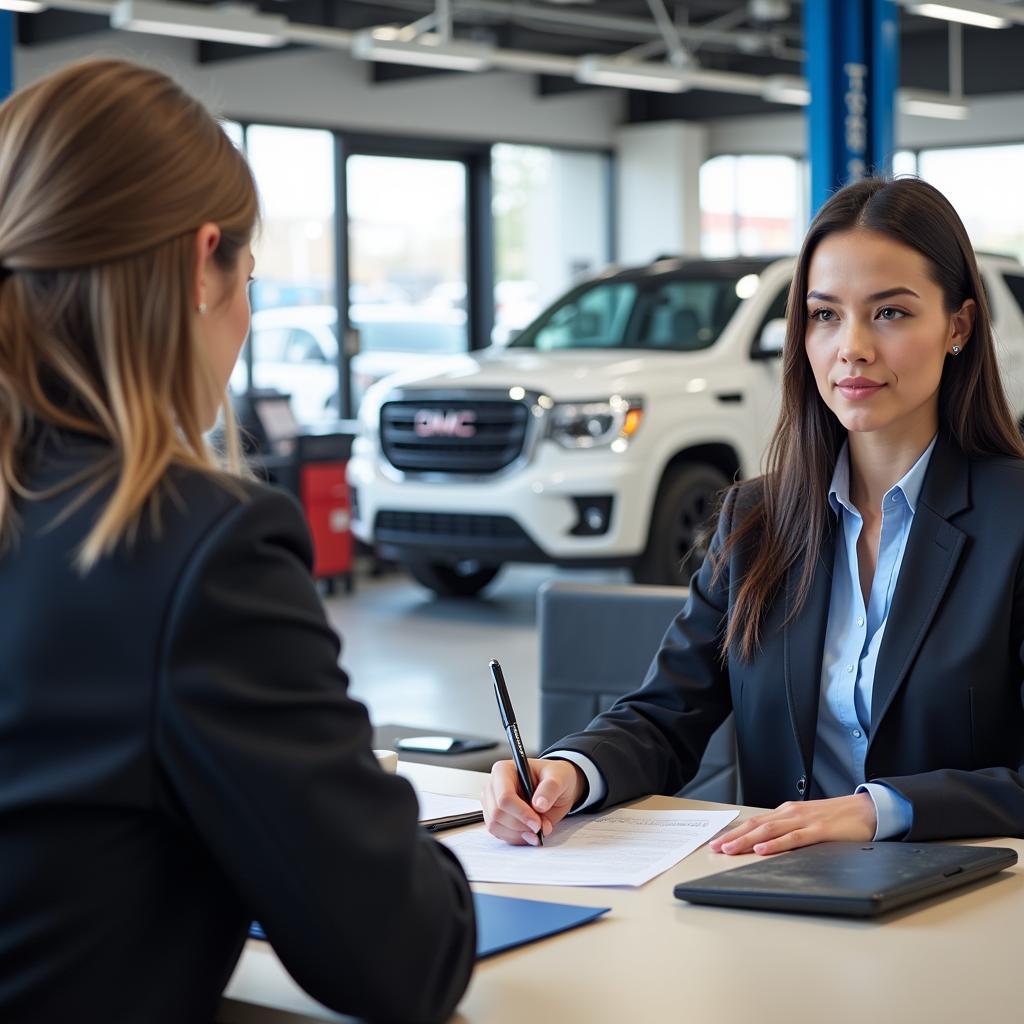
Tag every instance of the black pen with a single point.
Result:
(515, 741)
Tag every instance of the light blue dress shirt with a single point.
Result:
(852, 641)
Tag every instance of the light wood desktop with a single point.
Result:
(654, 958)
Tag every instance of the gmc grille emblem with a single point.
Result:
(448, 423)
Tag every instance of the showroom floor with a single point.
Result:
(415, 659)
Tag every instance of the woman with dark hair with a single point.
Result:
(861, 606)
(178, 750)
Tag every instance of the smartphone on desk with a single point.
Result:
(442, 744)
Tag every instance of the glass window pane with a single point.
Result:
(407, 263)
(994, 224)
(551, 212)
(683, 315)
(594, 318)
(904, 161)
(752, 205)
(673, 313)
(718, 206)
(294, 324)
(768, 205)
(233, 130)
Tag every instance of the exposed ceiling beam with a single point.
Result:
(745, 40)
(758, 75)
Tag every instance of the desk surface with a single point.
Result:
(654, 958)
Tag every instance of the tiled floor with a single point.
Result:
(419, 660)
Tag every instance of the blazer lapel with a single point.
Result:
(931, 556)
(804, 642)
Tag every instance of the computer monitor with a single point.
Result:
(277, 421)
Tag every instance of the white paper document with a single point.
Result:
(621, 847)
(437, 805)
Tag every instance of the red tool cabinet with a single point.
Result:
(324, 493)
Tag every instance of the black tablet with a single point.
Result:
(851, 879)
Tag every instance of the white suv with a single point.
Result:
(603, 434)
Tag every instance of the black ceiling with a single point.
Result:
(992, 59)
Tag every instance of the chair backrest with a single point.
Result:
(596, 643)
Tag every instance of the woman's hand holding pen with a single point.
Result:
(558, 786)
(794, 824)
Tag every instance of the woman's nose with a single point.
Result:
(855, 345)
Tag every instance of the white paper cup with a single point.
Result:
(387, 759)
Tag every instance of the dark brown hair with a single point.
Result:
(791, 516)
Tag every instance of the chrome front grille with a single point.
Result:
(439, 435)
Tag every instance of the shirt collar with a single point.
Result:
(909, 485)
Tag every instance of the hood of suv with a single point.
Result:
(580, 373)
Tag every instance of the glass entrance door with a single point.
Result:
(407, 269)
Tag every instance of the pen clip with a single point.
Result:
(501, 693)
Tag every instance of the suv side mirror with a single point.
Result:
(772, 339)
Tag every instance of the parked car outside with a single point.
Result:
(295, 350)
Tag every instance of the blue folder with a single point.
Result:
(504, 922)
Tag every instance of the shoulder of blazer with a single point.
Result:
(199, 503)
(998, 475)
(202, 493)
(957, 482)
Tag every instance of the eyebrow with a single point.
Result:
(875, 297)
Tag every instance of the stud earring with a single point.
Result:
(956, 350)
(201, 309)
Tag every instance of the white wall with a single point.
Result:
(992, 119)
(658, 189)
(329, 89)
(566, 226)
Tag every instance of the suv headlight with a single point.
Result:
(596, 424)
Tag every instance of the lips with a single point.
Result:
(858, 387)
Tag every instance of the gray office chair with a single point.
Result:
(596, 643)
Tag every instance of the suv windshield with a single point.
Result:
(666, 313)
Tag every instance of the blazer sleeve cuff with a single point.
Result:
(597, 788)
(894, 813)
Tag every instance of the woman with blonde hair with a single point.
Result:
(178, 753)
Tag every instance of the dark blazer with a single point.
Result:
(947, 725)
(179, 756)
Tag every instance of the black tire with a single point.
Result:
(464, 580)
(687, 499)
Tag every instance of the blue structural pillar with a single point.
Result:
(6, 54)
(852, 68)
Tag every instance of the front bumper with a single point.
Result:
(528, 515)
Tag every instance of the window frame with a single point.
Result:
(475, 155)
